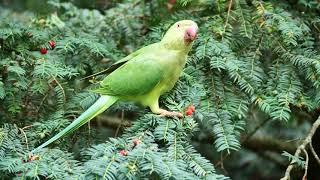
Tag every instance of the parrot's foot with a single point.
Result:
(165, 113)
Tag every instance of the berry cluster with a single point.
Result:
(135, 142)
(52, 45)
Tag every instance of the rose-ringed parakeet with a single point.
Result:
(142, 76)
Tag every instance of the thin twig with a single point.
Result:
(256, 129)
(229, 9)
(221, 159)
(301, 148)
(60, 86)
(221, 164)
(314, 25)
(42, 101)
(25, 136)
(305, 165)
(314, 152)
(28, 126)
(89, 128)
(119, 126)
(112, 122)
(255, 54)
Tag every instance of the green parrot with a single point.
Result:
(143, 76)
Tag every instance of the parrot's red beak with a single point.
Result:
(190, 34)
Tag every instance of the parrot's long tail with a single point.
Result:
(103, 103)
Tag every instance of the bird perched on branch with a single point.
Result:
(143, 76)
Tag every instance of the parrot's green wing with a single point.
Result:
(136, 77)
(122, 61)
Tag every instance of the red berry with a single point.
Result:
(192, 108)
(123, 153)
(189, 112)
(136, 142)
(52, 44)
(43, 50)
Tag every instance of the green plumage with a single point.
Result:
(136, 77)
(142, 76)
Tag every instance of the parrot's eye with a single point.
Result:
(178, 25)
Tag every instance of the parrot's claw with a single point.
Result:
(165, 113)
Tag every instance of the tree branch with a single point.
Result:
(256, 129)
(258, 143)
(266, 143)
(306, 165)
(302, 147)
(314, 153)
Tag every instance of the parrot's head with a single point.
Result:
(181, 35)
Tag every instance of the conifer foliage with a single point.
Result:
(251, 57)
